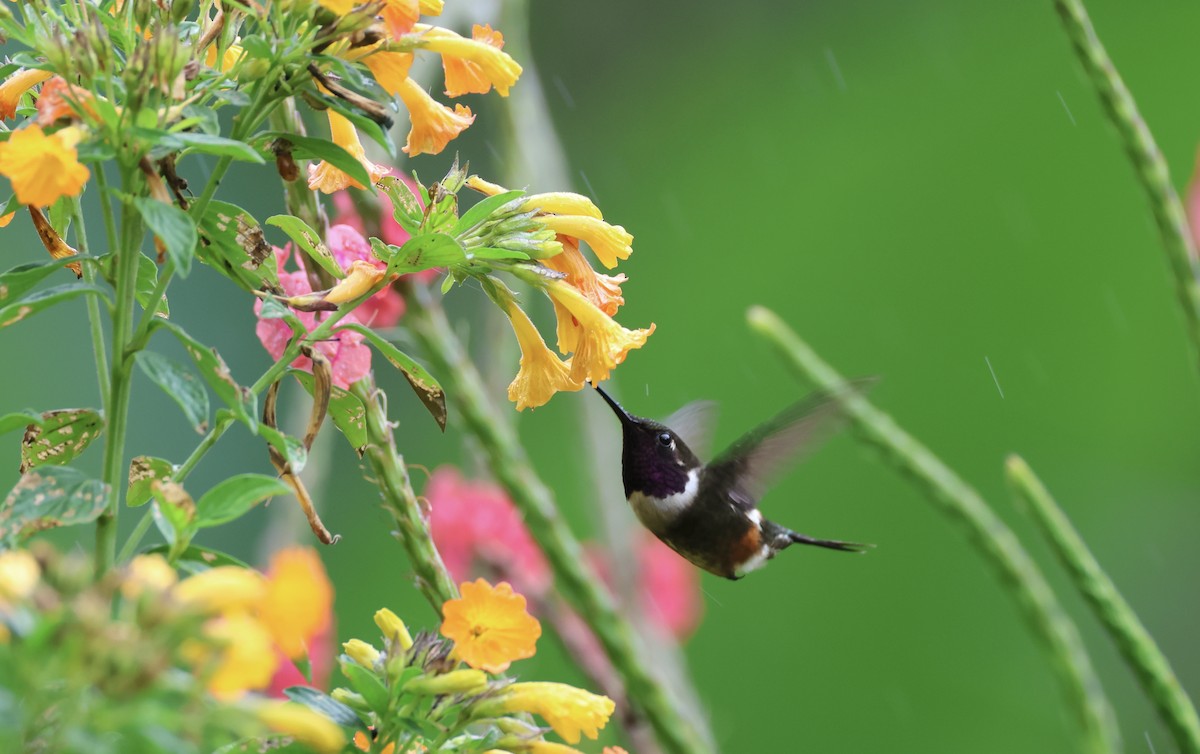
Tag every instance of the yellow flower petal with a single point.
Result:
(431, 7)
(465, 76)
(608, 242)
(362, 277)
(304, 725)
(541, 374)
(602, 344)
(148, 574)
(223, 589)
(390, 69)
(571, 712)
(19, 576)
(298, 601)
(233, 53)
(339, 7)
(42, 168)
(6, 219)
(489, 64)
(15, 86)
(490, 626)
(361, 652)
(550, 747)
(602, 290)
(563, 203)
(433, 124)
(484, 187)
(326, 178)
(245, 658)
(400, 15)
(393, 628)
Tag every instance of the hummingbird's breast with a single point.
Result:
(658, 513)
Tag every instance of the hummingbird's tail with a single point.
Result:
(832, 544)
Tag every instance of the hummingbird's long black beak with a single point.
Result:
(621, 413)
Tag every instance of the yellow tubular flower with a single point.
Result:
(549, 747)
(361, 652)
(490, 626)
(393, 628)
(465, 76)
(602, 290)
(390, 69)
(361, 277)
(602, 343)
(232, 55)
(304, 725)
(542, 374)
(608, 242)
(431, 7)
(298, 601)
(433, 124)
(15, 86)
(43, 168)
(563, 203)
(567, 329)
(571, 712)
(247, 658)
(484, 187)
(492, 65)
(400, 15)
(326, 178)
(223, 589)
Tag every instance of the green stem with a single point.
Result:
(1147, 160)
(95, 323)
(959, 501)
(391, 476)
(115, 474)
(508, 462)
(1134, 641)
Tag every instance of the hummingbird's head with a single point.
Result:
(654, 460)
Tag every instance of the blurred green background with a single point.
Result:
(926, 191)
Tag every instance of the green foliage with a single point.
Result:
(181, 385)
(233, 497)
(57, 437)
(48, 497)
(422, 382)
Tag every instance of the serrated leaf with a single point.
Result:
(368, 684)
(174, 514)
(180, 384)
(482, 209)
(176, 229)
(19, 310)
(427, 388)
(309, 242)
(291, 448)
(326, 705)
(48, 497)
(144, 471)
(147, 280)
(310, 148)
(59, 437)
(237, 247)
(426, 251)
(347, 411)
(234, 496)
(218, 145)
(213, 371)
(19, 420)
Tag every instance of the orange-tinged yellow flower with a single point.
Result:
(491, 65)
(601, 344)
(361, 277)
(390, 69)
(608, 242)
(224, 589)
(326, 178)
(571, 712)
(233, 53)
(298, 599)
(6, 219)
(43, 168)
(433, 124)
(465, 76)
(490, 626)
(363, 742)
(541, 373)
(245, 658)
(400, 15)
(15, 86)
(58, 99)
(304, 725)
(150, 574)
(602, 290)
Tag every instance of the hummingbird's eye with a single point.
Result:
(665, 439)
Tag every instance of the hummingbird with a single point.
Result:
(708, 512)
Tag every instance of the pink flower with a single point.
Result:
(475, 524)
(668, 586)
(390, 231)
(348, 355)
(347, 245)
(320, 655)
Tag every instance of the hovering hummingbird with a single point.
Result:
(708, 513)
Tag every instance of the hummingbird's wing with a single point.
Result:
(755, 460)
(694, 424)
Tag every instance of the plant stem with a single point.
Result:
(95, 324)
(512, 469)
(1134, 641)
(114, 474)
(994, 540)
(1147, 160)
(391, 476)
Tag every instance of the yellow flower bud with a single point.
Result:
(393, 628)
(362, 278)
(304, 725)
(361, 652)
(350, 699)
(463, 681)
(563, 203)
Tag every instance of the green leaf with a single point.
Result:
(310, 148)
(196, 558)
(144, 471)
(194, 141)
(234, 496)
(482, 209)
(59, 437)
(42, 300)
(174, 514)
(326, 705)
(213, 370)
(176, 229)
(48, 497)
(406, 207)
(426, 387)
(345, 409)
(368, 684)
(19, 420)
(488, 252)
(147, 280)
(237, 248)
(308, 240)
(180, 384)
(291, 448)
(428, 250)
